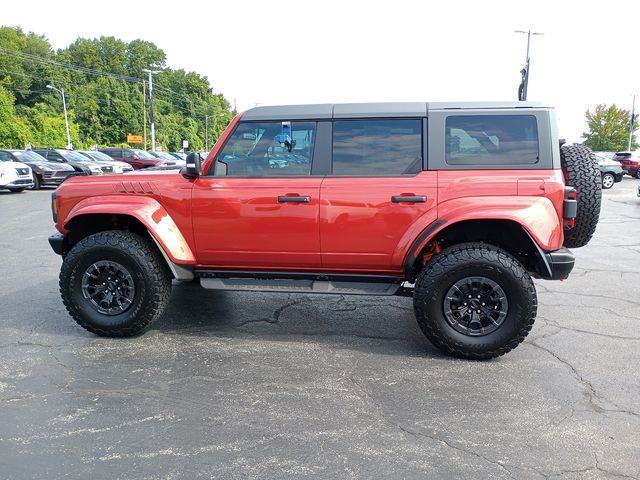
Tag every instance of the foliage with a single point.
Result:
(609, 129)
(103, 83)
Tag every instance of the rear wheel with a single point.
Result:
(608, 180)
(638, 173)
(475, 301)
(115, 283)
(581, 172)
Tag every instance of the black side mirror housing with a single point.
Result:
(193, 168)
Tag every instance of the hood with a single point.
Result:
(11, 166)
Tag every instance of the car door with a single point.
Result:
(377, 198)
(260, 208)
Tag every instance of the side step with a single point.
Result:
(266, 282)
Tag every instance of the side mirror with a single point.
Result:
(193, 168)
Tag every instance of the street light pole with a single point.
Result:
(524, 85)
(153, 125)
(632, 121)
(66, 118)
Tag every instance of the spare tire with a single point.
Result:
(581, 171)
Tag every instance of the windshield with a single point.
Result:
(165, 156)
(103, 157)
(76, 157)
(144, 155)
(29, 156)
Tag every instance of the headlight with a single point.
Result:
(95, 170)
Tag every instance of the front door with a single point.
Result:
(260, 209)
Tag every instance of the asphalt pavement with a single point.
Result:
(248, 385)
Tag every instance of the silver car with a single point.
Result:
(103, 158)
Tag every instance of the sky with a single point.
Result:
(291, 52)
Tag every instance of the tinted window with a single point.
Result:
(127, 154)
(269, 149)
(5, 157)
(491, 140)
(377, 147)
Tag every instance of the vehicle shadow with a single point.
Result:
(380, 324)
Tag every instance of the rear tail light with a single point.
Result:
(570, 207)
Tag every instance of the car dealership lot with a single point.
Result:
(239, 385)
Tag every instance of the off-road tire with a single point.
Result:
(470, 260)
(581, 171)
(148, 269)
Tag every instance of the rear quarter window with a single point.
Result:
(491, 140)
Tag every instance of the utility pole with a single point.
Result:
(632, 121)
(524, 84)
(144, 112)
(153, 126)
(66, 119)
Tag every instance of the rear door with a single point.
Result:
(260, 209)
(377, 198)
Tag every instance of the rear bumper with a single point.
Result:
(560, 264)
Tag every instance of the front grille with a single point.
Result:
(48, 174)
(22, 171)
(62, 173)
(107, 169)
(22, 182)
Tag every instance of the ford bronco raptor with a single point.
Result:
(458, 205)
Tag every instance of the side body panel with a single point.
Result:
(160, 200)
(240, 222)
(362, 228)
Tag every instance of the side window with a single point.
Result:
(491, 140)
(125, 153)
(55, 156)
(269, 149)
(377, 147)
(5, 157)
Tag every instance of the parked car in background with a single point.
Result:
(169, 158)
(179, 155)
(610, 171)
(103, 159)
(79, 162)
(630, 163)
(136, 158)
(42, 171)
(15, 176)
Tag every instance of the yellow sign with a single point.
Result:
(134, 138)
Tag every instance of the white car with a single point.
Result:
(15, 176)
(104, 159)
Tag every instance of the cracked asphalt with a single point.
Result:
(250, 385)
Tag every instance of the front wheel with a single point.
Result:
(115, 283)
(36, 182)
(475, 301)
(638, 173)
(608, 180)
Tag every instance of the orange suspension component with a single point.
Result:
(433, 249)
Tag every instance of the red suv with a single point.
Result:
(136, 158)
(630, 164)
(457, 205)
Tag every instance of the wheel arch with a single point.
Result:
(506, 234)
(150, 220)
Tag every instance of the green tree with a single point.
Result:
(14, 132)
(609, 129)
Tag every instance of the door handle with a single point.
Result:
(409, 198)
(297, 199)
